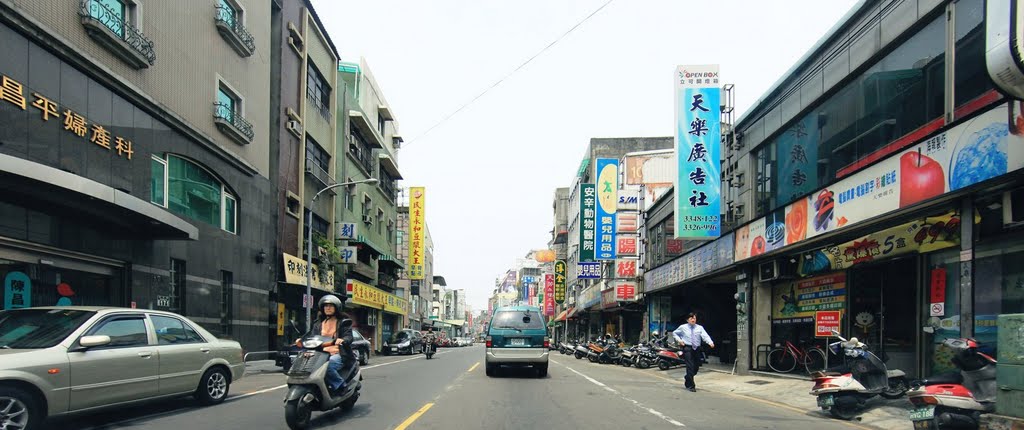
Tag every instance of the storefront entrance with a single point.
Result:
(883, 310)
(32, 279)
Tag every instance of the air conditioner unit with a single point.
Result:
(294, 127)
(367, 219)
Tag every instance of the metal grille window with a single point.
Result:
(318, 91)
(317, 155)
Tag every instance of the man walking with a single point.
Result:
(690, 335)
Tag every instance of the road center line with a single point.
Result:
(474, 367)
(414, 357)
(412, 418)
(616, 392)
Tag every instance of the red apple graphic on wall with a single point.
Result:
(921, 178)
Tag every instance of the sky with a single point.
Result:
(491, 170)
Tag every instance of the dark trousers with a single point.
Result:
(692, 358)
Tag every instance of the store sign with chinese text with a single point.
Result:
(607, 174)
(627, 222)
(825, 322)
(560, 281)
(608, 298)
(348, 254)
(348, 230)
(295, 273)
(627, 245)
(697, 147)
(549, 294)
(588, 270)
(588, 220)
(14, 93)
(701, 261)
(417, 233)
(798, 301)
(625, 291)
(625, 267)
(365, 295)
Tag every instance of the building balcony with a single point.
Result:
(232, 124)
(112, 31)
(321, 175)
(233, 32)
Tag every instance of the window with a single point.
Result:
(317, 155)
(192, 191)
(227, 104)
(765, 192)
(349, 199)
(112, 13)
(292, 204)
(158, 181)
(228, 12)
(380, 221)
(530, 320)
(171, 331)
(318, 91)
(367, 207)
(124, 332)
(391, 230)
(382, 125)
(972, 80)
(319, 224)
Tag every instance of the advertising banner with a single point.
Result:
(549, 294)
(798, 159)
(698, 152)
(588, 270)
(607, 174)
(982, 148)
(588, 214)
(626, 268)
(372, 297)
(627, 245)
(417, 231)
(295, 273)
(924, 235)
(797, 300)
(560, 281)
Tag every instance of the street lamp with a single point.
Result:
(309, 243)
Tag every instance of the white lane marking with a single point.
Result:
(253, 393)
(399, 361)
(616, 392)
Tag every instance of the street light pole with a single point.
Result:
(309, 245)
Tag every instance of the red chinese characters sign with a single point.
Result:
(625, 291)
(549, 294)
(625, 268)
(627, 245)
(825, 322)
(417, 231)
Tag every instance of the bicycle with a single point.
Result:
(785, 358)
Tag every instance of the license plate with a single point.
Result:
(826, 401)
(517, 342)
(394, 348)
(922, 413)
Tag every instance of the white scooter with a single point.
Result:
(307, 387)
(844, 394)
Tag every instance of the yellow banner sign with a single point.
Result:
(280, 319)
(365, 295)
(417, 231)
(295, 273)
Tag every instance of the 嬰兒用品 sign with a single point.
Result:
(697, 142)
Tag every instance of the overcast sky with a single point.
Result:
(491, 170)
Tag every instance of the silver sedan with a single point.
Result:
(60, 360)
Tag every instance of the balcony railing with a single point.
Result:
(232, 124)
(232, 30)
(388, 187)
(359, 150)
(319, 173)
(111, 30)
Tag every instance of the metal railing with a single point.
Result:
(119, 26)
(318, 172)
(229, 17)
(226, 112)
(362, 153)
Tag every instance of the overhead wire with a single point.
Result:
(499, 81)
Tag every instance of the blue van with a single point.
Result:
(517, 336)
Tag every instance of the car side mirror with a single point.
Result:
(87, 342)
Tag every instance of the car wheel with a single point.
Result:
(18, 409)
(364, 357)
(542, 370)
(490, 369)
(213, 387)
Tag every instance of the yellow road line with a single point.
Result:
(474, 367)
(412, 418)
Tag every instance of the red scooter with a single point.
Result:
(670, 354)
(956, 399)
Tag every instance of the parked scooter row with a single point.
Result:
(946, 401)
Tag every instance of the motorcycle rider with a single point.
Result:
(430, 338)
(328, 324)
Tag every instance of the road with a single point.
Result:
(452, 391)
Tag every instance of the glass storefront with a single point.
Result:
(35, 284)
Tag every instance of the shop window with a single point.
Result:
(972, 82)
(158, 181)
(998, 287)
(171, 331)
(194, 192)
(175, 301)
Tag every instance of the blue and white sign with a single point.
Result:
(347, 230)
(348, 254)
(698, 182)
(607, 174)
(588, 270)
(17, 291)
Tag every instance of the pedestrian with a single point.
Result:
(690, 335)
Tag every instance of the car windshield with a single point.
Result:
(400, 337)
(38, 328)
(519, 320)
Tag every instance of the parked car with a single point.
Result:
(517, 336)
(405, 341)
(63, 360)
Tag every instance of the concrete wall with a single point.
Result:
(190, 54)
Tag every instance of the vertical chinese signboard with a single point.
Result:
(588, 203)
(549, 294)
(607, 174)
(560, 281)
(417, 231)
(697, 146)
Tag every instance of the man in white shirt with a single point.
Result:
(690, 335)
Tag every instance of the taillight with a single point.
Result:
(547, 342)
(924, 400)
(487, 342)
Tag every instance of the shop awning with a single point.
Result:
(57, 192)
(561, 316)
(572, 313)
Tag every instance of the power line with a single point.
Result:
(499, 81)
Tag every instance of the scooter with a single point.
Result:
(844, 394)
(581, 350)
(669, 357)
(956, 399)
(430, 349)
(307, 388)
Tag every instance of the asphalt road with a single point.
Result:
(453, 392)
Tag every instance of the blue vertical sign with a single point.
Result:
(607, 174)
(698, 183)
(798, 159)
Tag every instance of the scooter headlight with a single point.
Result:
(312, 343)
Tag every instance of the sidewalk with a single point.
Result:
(792, 391)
